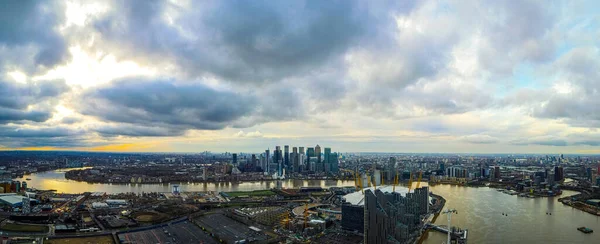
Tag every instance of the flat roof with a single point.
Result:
(12, 199)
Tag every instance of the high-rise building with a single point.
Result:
(267, 159)
(391, 217)
(234, 159)
(310, 152)
(558, 173)
(295, 160)
(302, 158)
(278, 160)
(318, 153)
(497, 172)
(333, 162)
(327, 161)
(286, 157)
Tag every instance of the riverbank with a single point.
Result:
(574, 203)
(436, 210)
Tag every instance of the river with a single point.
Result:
(55, 180)
(479, 209)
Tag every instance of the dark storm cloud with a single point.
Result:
(12, 131)
(16, 99)
(137, 131)
(35, 23)
(164, 104)
(250, 41)
(14, 136)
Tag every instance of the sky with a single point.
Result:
(357, 76)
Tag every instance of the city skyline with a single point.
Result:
(407, 77)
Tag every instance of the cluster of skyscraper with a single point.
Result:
(299, 161)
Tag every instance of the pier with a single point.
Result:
(459, 236)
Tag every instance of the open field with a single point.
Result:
(24, 228)
(82, 240)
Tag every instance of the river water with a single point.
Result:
(55, 180)
(479, 209)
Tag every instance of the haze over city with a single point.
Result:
(357, 76)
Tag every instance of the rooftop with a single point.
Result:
(357, 198)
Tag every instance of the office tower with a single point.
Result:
(327, 161)
(302, 158)
(588, 173)
(268, 157)
(253, 162)
(310, 152)
(558, 173)
(295, 161)
(286, 156)
(279, 160)
(234, 160)
(318, 153)
(333, 162)
(497, 172)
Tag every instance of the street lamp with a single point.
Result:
(449, 213)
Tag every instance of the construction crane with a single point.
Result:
(395, 182)
(356, 179)
(410, 182)
(419, 180)
(305, 214)
(285, 222)
(360, 185)
(374, 184)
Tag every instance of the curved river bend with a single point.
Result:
(479, 209)
(55, 180)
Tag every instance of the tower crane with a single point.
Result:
(395, 182)
(410, 182)
(419, 180)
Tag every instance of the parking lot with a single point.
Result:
(184, 232)
(230, 230)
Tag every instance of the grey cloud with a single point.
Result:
(254, 41)
(136, 131)
(33, 23)
(13, 131)
(479, 139)
(579, 107)
(588, 143)
(15, 136)
(164, 108)
(161, 103)
(31, 101)
(543, 142)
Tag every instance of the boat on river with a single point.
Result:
(585, 230)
